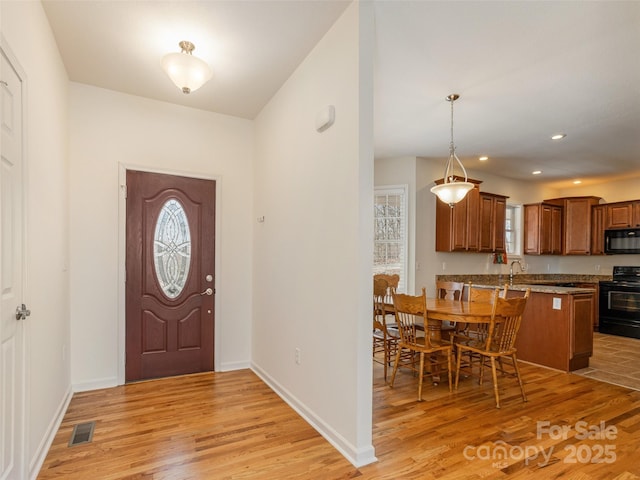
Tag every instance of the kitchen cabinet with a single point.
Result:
(542, 229)
(623, 214)
(576, 223)
(457, 226)
(598, 213)
(475, 224)
(557, 330)
(492, 213)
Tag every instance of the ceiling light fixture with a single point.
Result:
(452, 191)
(536, 172)
(558, 136)
(189, 73)
(577, 182)
(484, 158)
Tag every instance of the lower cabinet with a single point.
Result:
(557, 335)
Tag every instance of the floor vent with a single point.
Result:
(82, 433)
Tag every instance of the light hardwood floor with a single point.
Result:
(231, 426)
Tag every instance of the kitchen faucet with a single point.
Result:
(522, 269)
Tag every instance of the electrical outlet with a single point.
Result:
(444, 266)
(297, 356)
(557, 303)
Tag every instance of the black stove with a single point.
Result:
(619, 303)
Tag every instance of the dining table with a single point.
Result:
(439, 310)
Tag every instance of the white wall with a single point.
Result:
(27, 32)
(110, 130)
(312, 267)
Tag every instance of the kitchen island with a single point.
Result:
(557, 325)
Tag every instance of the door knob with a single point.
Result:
(208, 291)
(22, 312)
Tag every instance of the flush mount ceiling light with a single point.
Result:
(451, 191)
(536, 172)
(558, 136)
(484, 158)
(189, 73)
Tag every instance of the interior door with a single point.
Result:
(12, 349)
(170, 275)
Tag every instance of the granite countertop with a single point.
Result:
(521, 287)
(544, 283)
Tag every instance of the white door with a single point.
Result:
(12, 351)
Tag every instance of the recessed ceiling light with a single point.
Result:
(484, 158)
(558, 136)
(536, 172)
(577, 182)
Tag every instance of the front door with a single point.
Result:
(12, 340)
(170, 275)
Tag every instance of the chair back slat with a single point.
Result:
(410, 315)
(449, 290)
(505, 323)
(392, 285)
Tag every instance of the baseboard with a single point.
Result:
(107, 382)
(358, 457)
(35, 464)
(229, 366)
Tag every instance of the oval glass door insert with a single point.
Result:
(172, 248)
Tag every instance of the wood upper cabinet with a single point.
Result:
(542, 229)
(457, 226)
(576, 223)
(492, 213)
(598, 213)
(475, 224)
(623, 214)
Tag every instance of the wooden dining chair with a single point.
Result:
(449, 291)
(478, 330)
(411, 316)
(385, 340)
(499, 343)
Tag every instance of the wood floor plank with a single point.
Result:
(231, 426)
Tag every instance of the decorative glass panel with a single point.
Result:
(172, 248)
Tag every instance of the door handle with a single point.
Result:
(208, 291)
(22, 312)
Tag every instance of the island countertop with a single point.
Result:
(553, 289)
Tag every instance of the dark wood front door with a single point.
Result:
(170, 275)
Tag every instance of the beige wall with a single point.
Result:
(312, 253)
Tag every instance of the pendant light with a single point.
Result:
(189, 73)
(452, 191)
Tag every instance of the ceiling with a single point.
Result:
(523, 70)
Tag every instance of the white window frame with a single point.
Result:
(514, 212)
(403, 192)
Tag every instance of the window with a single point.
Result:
(390, 232)
(513, 230)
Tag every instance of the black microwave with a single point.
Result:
(625, 240)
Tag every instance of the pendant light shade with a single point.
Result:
(189, 73)
(452, 191)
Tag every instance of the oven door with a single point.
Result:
(619, 309)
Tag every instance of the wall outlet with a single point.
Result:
(557, 303)
(444, 266)
(297, 356)
(597, 268)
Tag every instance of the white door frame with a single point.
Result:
(122, 269)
